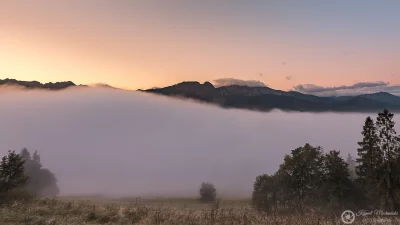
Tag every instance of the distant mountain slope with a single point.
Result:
(37, 85)
(253, 98)
(383, 97)
(265, 98)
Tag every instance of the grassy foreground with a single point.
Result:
(69, 211)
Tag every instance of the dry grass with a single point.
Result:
(153, 211)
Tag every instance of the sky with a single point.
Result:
(125, 143)
(143, 44)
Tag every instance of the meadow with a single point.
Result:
(166, 211)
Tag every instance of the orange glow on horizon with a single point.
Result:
(139, 53)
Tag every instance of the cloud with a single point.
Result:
(233, 81)
(311, 88)
(395, 89)
(124, 143)
(355, 89)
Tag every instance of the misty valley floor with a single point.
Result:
(155, 145)
(183, 211)
(161, 144)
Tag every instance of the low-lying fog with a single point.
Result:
(103, 141)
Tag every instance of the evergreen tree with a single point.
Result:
(36, 159)
(369, 161)
(12, 174)
(351, 167)
(338, 189)
(42, 181)
(389, 173)
(388, 139)
(25, 154)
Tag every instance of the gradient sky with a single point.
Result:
(142, 44)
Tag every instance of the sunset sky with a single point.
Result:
(143, 44)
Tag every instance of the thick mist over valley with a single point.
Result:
(125, 143)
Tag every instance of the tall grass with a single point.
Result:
(46, 211)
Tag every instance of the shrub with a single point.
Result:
(208, 193)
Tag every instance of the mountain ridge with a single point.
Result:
(251, 98)
(266, 99)
(48, 86)
(37, 84)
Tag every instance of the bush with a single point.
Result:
(208, 193)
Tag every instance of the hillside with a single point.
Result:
(266, 99)
(252, 98)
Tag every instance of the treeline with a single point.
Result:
(311, 179)
(24, 172)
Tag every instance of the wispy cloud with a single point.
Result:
(357, 88)
(311, 88)
(232, 81)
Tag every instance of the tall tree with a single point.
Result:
(389, 173)
(369, 161)
(36, 159)
(388, 140)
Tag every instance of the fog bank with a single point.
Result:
(104, 141)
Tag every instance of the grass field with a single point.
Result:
(177, 211)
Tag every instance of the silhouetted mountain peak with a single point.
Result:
(208, 84)
(189, 87)
(265, 98)
(37, 85)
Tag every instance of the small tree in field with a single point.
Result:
(208, 193)
(12, 174)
